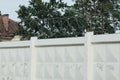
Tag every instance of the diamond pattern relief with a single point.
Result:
(13, 65)
(62, 63)
(111, 62)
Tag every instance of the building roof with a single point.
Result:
(8, 27)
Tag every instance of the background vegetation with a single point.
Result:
(56, 19)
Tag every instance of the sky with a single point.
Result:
(11, 6)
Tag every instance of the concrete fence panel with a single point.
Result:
(93, 57)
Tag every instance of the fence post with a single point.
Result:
(33, 58)
(89, 51)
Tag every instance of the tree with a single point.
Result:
(50, 19)
(38, 18)
(33, 17)
(102, 16)
(56, 19)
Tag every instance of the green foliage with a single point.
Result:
(56, 19)
(101, 15)
(50, 19)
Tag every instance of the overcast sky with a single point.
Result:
(10, 6)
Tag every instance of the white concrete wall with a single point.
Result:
(61, 59)
(106, 50)
(93, 57)
(14, 61)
